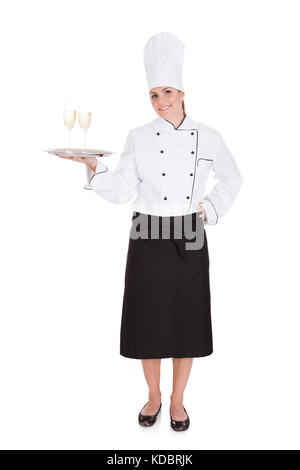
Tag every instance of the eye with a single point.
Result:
(154, 96)
(168, 91)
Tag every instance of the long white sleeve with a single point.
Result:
(219, 200)
(121, 185)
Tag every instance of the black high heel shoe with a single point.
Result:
(148, 420)
(180, 425)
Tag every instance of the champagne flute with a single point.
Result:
(69, 121)
(85, 119)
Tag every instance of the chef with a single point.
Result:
(163, 170)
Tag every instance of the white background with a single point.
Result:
(64, 384)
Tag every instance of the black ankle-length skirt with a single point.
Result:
(166, 304)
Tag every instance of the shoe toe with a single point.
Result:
(146, 420)
(180, 425)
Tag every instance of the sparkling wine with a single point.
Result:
(84, 119)
(69, 118)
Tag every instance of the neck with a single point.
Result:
(176, 121)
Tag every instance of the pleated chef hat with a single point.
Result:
(163, 60)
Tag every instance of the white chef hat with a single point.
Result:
(163, 60)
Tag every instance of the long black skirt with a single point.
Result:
(166, 304)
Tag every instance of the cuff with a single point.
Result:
(100, 168)
(211, 213)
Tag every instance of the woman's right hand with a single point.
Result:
(89, 161)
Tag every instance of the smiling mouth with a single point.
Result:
(164, 108)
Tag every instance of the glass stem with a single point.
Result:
(69, 139)
(84, 138)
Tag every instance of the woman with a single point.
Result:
(165, 165)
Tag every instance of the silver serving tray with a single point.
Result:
(78, 152)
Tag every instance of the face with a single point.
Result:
(167, 102)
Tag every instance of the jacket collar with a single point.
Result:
(163, 124)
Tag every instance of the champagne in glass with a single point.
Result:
(69, 121)
(85, 119)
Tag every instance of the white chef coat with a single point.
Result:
(166, 170)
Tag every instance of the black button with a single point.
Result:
(157, 133)
(161, 151)
(164, 174)
(192, 133)
(192, 151)
(188, 197)
(191, 174)
(165, 197)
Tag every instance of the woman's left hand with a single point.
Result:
(201, 209)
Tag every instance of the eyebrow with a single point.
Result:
(161, 90)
